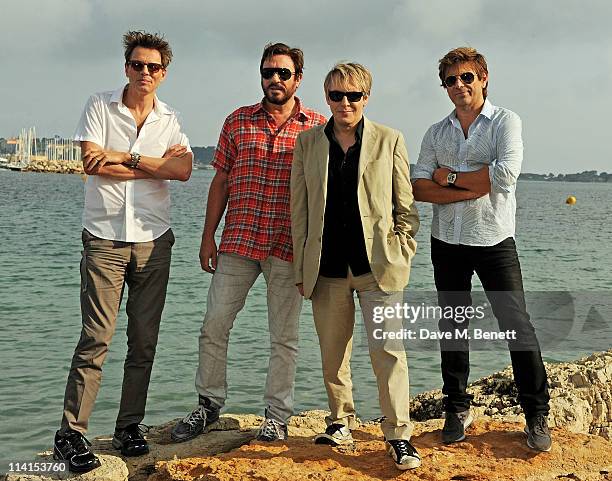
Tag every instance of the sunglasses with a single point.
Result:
(337, 96)
(139, 66)
(466, 77)
(283, 73)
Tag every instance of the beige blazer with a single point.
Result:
(384, 194)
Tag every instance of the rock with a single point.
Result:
(492, 451)
(55, 166)
(495, 448)
(112, 468)
(581, 396)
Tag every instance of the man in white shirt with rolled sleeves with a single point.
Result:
(468, 168)
(132, 145)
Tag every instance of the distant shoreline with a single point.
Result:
(75, 167)
(585, 176)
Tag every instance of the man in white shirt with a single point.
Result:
(132, 145)
(468, 167)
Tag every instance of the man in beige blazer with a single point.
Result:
(353, 223)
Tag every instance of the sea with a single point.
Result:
(564, 252)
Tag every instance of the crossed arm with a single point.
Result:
(175, 164)
(468, 185)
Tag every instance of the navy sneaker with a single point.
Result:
(455, 425)
(195, 422)
(538, 434)
(272, 430)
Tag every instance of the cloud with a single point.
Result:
(546, 59)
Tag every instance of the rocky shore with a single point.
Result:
(55, 166)
(581, 416)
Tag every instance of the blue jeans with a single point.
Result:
(499, 271)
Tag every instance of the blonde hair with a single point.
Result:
(349, 73)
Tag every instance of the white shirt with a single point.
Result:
(127, 210)
(494, 140)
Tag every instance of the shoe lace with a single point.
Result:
(403, 448)
(195, 416)
(540, 425)
(272, 428)
(78, 442)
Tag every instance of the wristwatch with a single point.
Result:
(451, 178)
(135, 159)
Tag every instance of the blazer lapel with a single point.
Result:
(321, 153)
(367, 147)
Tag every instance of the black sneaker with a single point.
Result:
(72, 446)
(403, 454)
(272, 430)
(455, 425)
(335, 435)
(194, 423)
(538, 434)
(131, 441)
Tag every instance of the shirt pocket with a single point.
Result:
(481, 149)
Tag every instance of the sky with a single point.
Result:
(550, 61)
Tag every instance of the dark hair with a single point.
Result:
(139, 38)
(281, 49)
(464, 55)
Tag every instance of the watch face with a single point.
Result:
(451, 178)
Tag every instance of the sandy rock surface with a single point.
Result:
(495, 449)
(492, 451)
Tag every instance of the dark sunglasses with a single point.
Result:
(466, 77)
(139, 66)
(283, 73)
(337, 96)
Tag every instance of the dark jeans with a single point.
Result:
(499, 271)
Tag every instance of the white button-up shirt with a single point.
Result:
(494, 140)
(127, 210)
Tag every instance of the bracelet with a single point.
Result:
(135, 160)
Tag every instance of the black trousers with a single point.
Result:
(499, 271)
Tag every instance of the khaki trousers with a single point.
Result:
(231, 282)
(334, 316)
(106, 267)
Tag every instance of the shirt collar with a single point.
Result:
(301, 113)
(487, 111)
(159, 107)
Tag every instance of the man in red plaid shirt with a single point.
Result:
(253, 161)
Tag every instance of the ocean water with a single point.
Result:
(563, 249)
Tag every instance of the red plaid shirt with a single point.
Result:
(257, 155)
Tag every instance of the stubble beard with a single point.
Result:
(279, 100)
